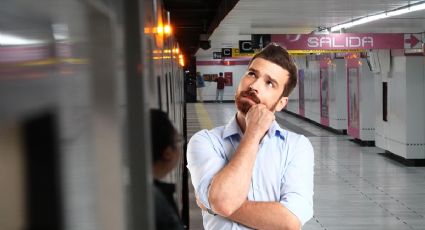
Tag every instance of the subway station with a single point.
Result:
(212, 114)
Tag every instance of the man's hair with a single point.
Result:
(220, 74)
(279, 56)
(163, 133)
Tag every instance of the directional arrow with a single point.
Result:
(412, 40)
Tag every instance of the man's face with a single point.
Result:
(262, 83)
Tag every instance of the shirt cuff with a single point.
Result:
(300, 208)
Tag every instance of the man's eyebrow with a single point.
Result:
(253, 70)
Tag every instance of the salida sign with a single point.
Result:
(339, 41)
(332, 42)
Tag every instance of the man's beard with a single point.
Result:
(244, 106)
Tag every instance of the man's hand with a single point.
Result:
(258, 121)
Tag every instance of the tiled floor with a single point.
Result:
(355, 187)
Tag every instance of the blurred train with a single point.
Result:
(77, 79)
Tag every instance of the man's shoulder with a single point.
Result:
(211, 134)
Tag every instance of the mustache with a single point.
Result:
(250, 94)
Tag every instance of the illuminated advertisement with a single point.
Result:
(301, 92)
(353, 102)
(229, 78)
(324, 96)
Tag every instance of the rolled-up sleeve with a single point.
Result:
(297, 184)
(204, 160)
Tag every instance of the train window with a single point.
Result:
(158, 79)
(42, 173)
(167, 93)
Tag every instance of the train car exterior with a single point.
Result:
(77, 81)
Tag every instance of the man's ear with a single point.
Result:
(283, 101)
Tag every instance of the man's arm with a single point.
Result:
(230, 186)
(296, 201)
(265, 215)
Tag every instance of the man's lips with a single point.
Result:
(249, 99)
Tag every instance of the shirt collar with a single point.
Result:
(232, 128)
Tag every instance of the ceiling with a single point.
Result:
(304, 16)
(190, 18)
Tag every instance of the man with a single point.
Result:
(200, 84)
(166, 153)
(252, 174)
(221, 81)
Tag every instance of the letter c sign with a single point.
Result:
(245, 46)
(226, 52)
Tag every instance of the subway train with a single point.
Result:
(77, 79)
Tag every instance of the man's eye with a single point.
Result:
(270, 84)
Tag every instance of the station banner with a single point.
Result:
(348, 41)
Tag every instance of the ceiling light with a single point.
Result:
(385, 14)
(10, 40)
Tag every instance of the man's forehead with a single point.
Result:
(263, 66)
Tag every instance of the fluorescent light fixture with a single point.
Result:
(385, 14)
(9, 40)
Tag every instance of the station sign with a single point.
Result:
(413, 41)
(348, 41)
(234, 53)
(260, 41)
(245, 46)
(226, 52)
(237, 53)
(216, 55)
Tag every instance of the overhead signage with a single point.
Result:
(236, 53)
(413, 41)
(226, 52)
(299, 52)
(216, 55)
(245, 46)
(349, 41)
(260, 41)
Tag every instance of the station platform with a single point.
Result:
(355, 187)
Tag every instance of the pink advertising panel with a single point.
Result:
(353, 100)
(301, 92)
(349, 41)
(229, 78)
(324, 96)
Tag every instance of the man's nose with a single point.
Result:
(254, 86)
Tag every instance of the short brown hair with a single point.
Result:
(280, 56)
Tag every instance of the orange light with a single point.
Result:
(167, 29)
(181, 60)
(160, 29)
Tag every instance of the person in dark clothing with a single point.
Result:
(166, 153)
(221, 81)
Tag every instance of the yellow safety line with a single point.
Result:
(203, 117)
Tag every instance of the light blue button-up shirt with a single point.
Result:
(283, 170)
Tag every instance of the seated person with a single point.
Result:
(166, 153)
